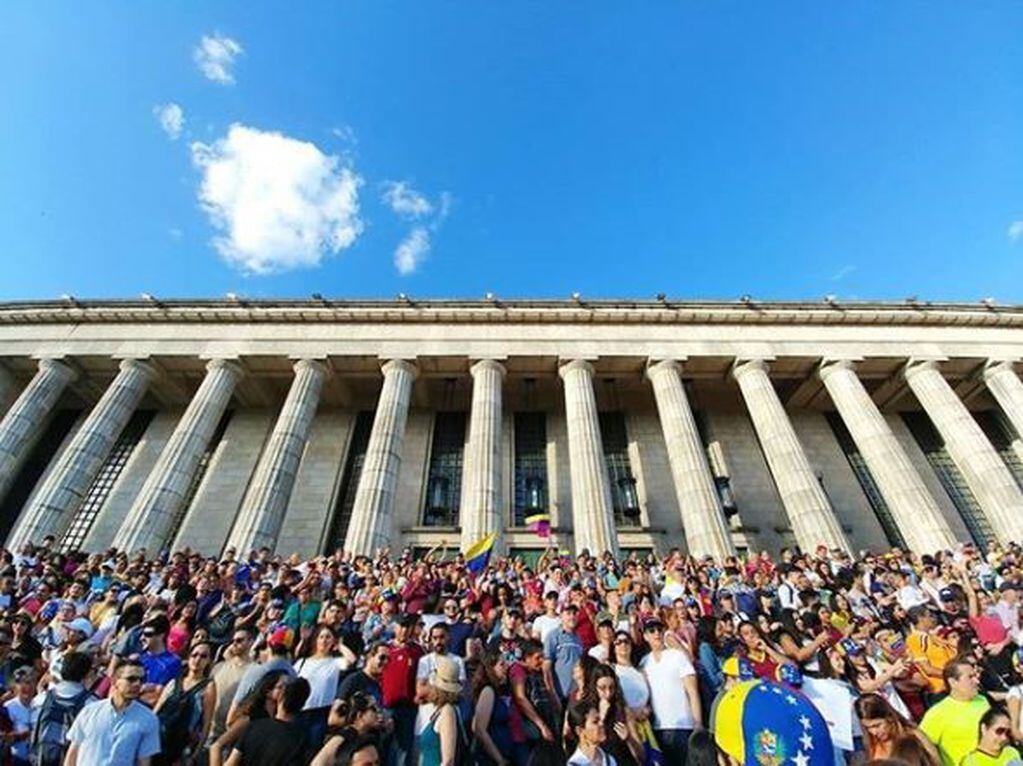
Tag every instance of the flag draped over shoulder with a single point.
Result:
(540, 523)
(478, 554)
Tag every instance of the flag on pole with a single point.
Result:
(540, 523)
(478, 555)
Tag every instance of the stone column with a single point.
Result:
(919, 518)
(702, 517)
(481, 511)
(371, 523)
(8, 388)
(24, 422)
(992, 483)
(54, 504)
(158, 503)
(592, 510)
(1007, 389)
(262, 510)
(809, 510)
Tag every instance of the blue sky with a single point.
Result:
(706, 150)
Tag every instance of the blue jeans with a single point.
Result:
(674, 744)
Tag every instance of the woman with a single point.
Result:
(438, 726)
(762, 656)
(322, 669)
(634, 684)
(492, 708)
(623, 741)
(355, 718)
(709, 632)
(260, 703)
(993, 748)
(588, 729)
(181, 628)
(874, 678)
(883, 728)
(189, 701)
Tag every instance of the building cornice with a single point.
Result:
(448, 311)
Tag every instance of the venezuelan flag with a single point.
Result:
(540, 523)
(478, 555)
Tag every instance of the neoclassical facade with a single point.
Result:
(315, 424)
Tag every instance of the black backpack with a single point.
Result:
(175, 718)
(48, 743)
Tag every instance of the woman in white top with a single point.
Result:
(634, 686)
(322, 669)
(584, 721)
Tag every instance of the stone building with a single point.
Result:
(312, 424)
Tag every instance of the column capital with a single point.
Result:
(59, 366)
(310, 364)
(571, 365)
(489, 363)
(830, 364)
(993, 367)
(745, 364)
(230, 365)
(141, 365)
(390, 366)
(917, 365)
(656, 367)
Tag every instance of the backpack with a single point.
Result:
(175, 718)
(48, 742)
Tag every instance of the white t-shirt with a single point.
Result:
(545, 624)
(602, 759)
(598, 652)
(322, 673)
(668, 700)
(428, 663)
(23, 719)
(634, 686)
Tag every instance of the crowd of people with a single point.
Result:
(808, 657)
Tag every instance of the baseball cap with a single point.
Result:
(947, 594)
(652, 622)
(81, 625)
(604, 618)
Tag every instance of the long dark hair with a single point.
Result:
(485, 676)
(617, 710)
(706, 632)
(254, 704)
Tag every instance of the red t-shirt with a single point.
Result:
(398, 682)
(989, 629)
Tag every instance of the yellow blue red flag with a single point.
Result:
(478, 555)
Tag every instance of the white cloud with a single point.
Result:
(412, 250)
(215, 57)
(279, 203)
(1015, 231)
(171, 118)
(404, 200)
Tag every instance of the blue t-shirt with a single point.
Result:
(564, 650)
(161, 668)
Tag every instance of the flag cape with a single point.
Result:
(478, 555)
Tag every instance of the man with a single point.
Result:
(367, 679)
(788, 591)
(276, 656)
(509, 640)
(561, 652)
(674, 693)
(360, 751)
(398, 685)
(56, 708)
(929, 652)
(160, 664)
(459, 630)
(535, 714)
(277, 740)
(304, 611)
(438, 645)
(953, 724)
(227, 675)
(1007, 610)
(907, 593)
(548, 622)
(118, 731)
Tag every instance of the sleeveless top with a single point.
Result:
(499, 729)
(428, 741)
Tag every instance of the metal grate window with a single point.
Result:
(350, 480)
(619, 468)
(530, 487)
(866, 480)
(200, 473)
(1001, 435)
(444, 478)
(951, 478)
(105, 480)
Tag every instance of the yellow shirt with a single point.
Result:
(932, 650)
(977, 758)
(952, 726)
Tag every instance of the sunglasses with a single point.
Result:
(239, 639)
(133, 679)
(622, 642)
(1002, 731)
(149, 633)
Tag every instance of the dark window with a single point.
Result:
(33, 468)
(1001, 434)
(105, 480)
(951, 479)
(624, 499)
(350, 480)
(866, 480)
(200, 473)
(530, 466)
(444, 479)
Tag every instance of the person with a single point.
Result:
(367, 678)
(276, 657)
(361, 752)
(492, 711)
(585, 723)
(709, 631)
(952, 724)
(439, 728)
(883, 727)
(439, 637)
(537, 712)
(633, 682)
(355, 717)
(322, 669)
(561, 650)
(56, 709)
(674, 694)
(161, 664)
(398, 687)
(260, 703)
(927, 649)
(19, 709)
(227, 674)
(994, 734)
(185, 707)
(623, 741)
(119, 731)
(279, 739)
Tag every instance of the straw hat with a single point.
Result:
(445, 676)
